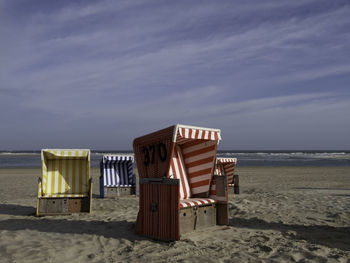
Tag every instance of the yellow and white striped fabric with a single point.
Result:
(65, 172)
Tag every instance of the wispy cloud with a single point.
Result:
(152, 64)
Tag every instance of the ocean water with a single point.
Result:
(290, 158)
(14, 159)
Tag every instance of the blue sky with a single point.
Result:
(97, 74)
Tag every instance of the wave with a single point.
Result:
(245, 158)
(18, 154)
(288, 155)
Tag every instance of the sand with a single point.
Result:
(284, 214)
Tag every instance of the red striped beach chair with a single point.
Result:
(226, 167)
(117, 175)
(66, 185)
(178, 192)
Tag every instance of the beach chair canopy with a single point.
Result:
(181, 152)
(225, 167)
(65, 172)
(117, 170)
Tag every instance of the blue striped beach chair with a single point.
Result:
(117, 175)
(66, 185)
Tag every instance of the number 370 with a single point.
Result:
(150, 153)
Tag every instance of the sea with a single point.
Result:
(31, 159)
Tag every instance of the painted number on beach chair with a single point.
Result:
(150, 153)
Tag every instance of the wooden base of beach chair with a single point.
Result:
(78, 205)
(231, 190)
(52, 206)
(63, 206)
(158, 216)
(206, 216)
(187, 217)
(222, 214)
(236, 183)
(198, 217)
(235, 188)
(112, 192)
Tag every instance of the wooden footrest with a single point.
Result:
(197, 217)
(61, 206)
(111, 192)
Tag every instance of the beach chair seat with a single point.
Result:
(176, 167)
(225, 167)
(64, 195)
(65, 186)
(117, 175)
(192, 202)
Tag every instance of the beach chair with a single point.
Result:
(117, 175)
(66, 185)
(226, 167)
(178, 192)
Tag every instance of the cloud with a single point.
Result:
(321, 72)
(129, 65)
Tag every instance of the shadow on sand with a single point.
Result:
(16, 210)
(112, 229)
(59, 224)
(321, 188)
(333, 237)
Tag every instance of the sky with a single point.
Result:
(271, 74)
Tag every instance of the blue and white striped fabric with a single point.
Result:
(117, 170)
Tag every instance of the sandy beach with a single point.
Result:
(283, 214)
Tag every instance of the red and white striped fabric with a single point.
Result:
(226, 166)
(196, 202)
(199, 146)
(218, 170)
(199, 159)
(178, 171)
(188, 133)
(226, 160)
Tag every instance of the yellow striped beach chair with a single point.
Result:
(66, 185)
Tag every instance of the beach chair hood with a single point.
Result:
(178, 150)
(65, 172)
(117, 170)
(225, 167)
